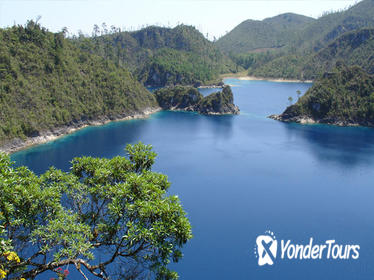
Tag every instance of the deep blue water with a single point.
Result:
(238, 176)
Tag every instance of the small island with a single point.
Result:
(187, 98)
(343, 97)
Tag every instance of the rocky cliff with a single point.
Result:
(188, 98)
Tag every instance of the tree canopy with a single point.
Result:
(108, 218)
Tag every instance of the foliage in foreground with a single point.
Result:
(109, 218)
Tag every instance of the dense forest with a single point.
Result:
(344, 96)
(46, 82)
(160, 56)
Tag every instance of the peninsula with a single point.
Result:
(343, 97)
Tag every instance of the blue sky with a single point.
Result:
(214, 17)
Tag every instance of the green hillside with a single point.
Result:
(161, 56)
(308, 51)
(329, 27)
(344, 96)
(46, 82)
(271, 33)
(354, 48)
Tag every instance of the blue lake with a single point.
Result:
(238, 176)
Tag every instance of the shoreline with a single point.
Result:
(17, 144)
(277, 80)
(304, 120)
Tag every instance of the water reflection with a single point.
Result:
(346, 146)
(221, 126)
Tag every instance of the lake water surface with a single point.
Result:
(238, 176)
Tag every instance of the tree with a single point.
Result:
(298, 92)
(65, 31)
(96, 30)
(115, 208)
(290, 99)
(104, 29)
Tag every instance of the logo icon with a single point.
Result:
(266, 248)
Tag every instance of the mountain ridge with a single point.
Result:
(160, 56)
(271, 32)
(301, 51)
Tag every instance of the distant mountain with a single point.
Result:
(271, 33)
(344, 96)
(353, 48)
(47, 83)
(161, 56)
(305, 49)
(329, 27)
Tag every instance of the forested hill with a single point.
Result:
(329, 27)
(160, 56)
(307, 52)
(344, 96)
(297, 32)
(270, 33)
(354, 48)
(47, 82)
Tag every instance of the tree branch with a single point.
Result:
(78, 267)
(53, 265)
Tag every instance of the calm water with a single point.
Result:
(238, 176)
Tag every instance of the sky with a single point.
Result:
(212, 17)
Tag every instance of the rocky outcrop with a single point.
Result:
(186, 98)
(218, 103)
